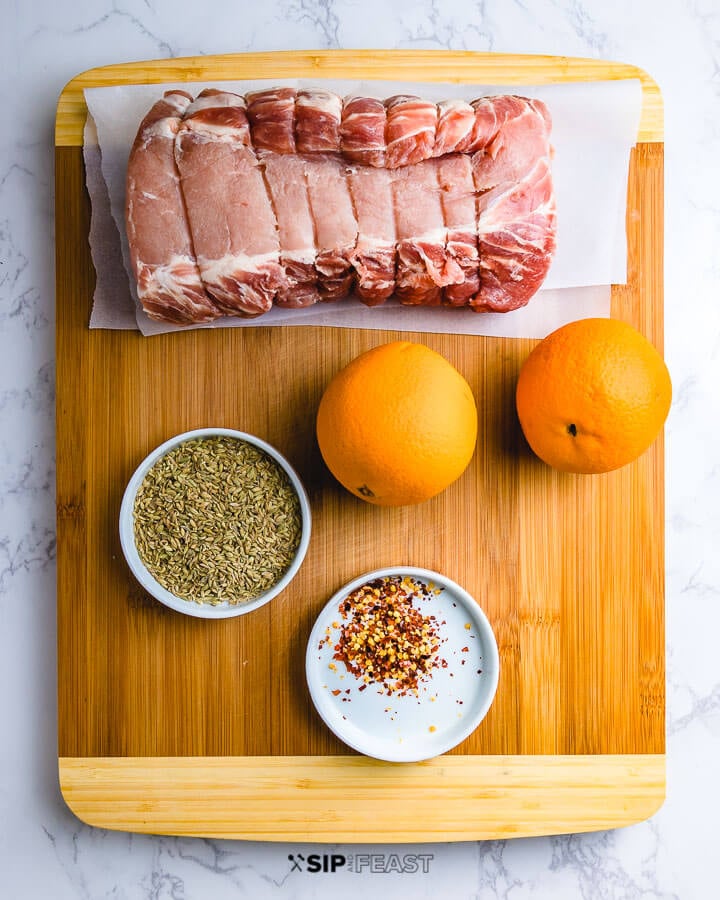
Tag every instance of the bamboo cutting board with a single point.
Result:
(178, 725)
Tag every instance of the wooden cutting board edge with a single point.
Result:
(400, 65)
(334, 798)
(346, 799)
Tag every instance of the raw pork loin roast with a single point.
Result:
(287, 198)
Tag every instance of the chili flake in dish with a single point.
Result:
(385, 638)
(391, 668)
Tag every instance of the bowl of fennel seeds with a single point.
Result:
(214, 523)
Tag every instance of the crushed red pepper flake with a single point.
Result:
(385, 638)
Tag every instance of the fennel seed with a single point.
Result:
(217, 520)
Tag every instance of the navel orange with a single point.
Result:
(397, 425)
(593, 396)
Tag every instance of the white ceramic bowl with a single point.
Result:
(146, 579)
(452, 700)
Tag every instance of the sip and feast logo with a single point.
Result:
(362, 863)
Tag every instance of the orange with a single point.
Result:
(593, 396)
(397, 425)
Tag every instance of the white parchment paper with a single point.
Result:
(595, 125)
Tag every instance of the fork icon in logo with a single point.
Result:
(296, 862)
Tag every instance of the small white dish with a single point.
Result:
(451, 701)
(150, 583)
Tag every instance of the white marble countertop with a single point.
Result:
(45, 852)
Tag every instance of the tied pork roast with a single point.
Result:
(283, 197)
